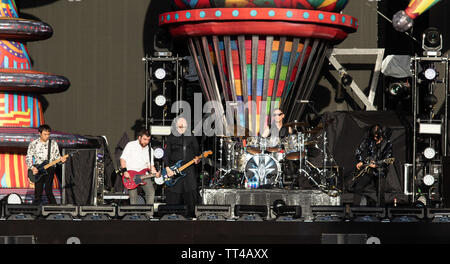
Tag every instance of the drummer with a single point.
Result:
(276, 128)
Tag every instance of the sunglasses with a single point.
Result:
(280, 114)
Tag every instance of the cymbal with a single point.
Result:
(314, 130)
(311, 142)
(294, 124)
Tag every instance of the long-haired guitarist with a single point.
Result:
(38, 153)
(371, 167)
(180, 146)
(138, 156)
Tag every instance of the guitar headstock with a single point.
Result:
(206, 153)
(390, 160)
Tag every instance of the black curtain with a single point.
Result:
(346, 130)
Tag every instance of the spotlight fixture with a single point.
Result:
(160, 73)
(432, 42)
(428, 180)
(429, 153)
(14, 198)
(160, 100)
(158, 153)
(430, 74)
(398, 88)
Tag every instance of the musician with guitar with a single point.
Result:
(138, 168)
(39, 156)
(373, 155)
(182, 147)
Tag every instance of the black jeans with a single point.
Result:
(363, 184)
(186, 198)
(45, 183)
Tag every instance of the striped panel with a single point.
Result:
(270, 66)
(13, 171)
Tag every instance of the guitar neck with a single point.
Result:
(189, 163)
(55, 162)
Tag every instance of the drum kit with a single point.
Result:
(254, 162)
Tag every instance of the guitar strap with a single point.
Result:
(49, 148)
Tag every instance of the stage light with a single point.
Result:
(14, 198)
(160, 73)
(429, 153)
(158, 153)
(160, 100)
(432, 42)
(430, 100)
(430, 74)
(284, 212)
(428, 180)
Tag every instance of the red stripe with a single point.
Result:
(2, 166)
(11, 171)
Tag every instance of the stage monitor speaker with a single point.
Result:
(242, 209)
(213, 212)
(405, 214)
(22, 211)
(328, 213)
(172, 212)
(438, 214)
(446, 181)
(131, 212)
(367, 214)
(60, 209)
(97, 212)
(294, 211)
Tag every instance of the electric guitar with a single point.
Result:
(365, 168)
(178, 171)
(42, 168)
(136, 178)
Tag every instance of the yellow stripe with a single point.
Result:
(8, 173)
(327, 3)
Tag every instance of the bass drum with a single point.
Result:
(261, 171)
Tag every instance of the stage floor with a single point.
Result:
(225, 232)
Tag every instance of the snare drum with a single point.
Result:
(272, 144)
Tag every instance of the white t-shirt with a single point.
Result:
(136, 157)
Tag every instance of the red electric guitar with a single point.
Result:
(136, 178)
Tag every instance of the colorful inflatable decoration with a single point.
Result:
(259, 55)
(403, 20)
(20, 107)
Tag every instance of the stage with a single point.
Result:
(225, 232)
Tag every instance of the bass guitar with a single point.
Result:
(136, 178)
(178, 171)
(365, 168)
(42, 168)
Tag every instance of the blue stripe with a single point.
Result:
(6, 103)
(30, 106)
(15, 103)
(23, 103)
